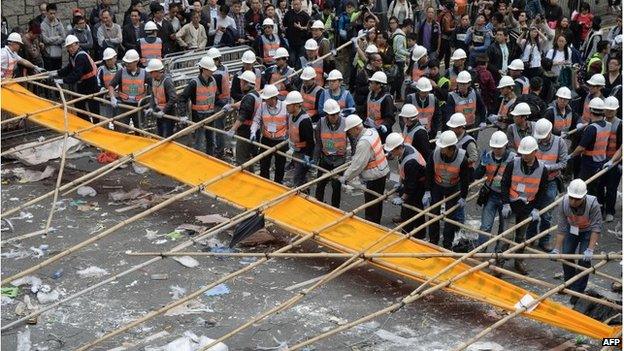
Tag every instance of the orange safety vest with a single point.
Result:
(294, 138)
(132, 87)
(550, 155)
(599, 151)
(225, 83)
(447, 174)
(274, 125)
(318, 68)
(378, 159)
(334, 142)
(525, 186)
(373, 108)
(503, 110)
(583, 221)
(494, 180)
(466, 105)
(524, 82)
(159, 94)
(309, 100)
(341, 99)
(108, 75)
(205, 96)
(410, 153)
(409, 135)
(278, 75)
(268, 49)
(91, 73)
(425, 114)
(561, 123)
(585, 117)
(516, 133)
(151, 50)
(417, 72)
(452, 76)
(612, 146)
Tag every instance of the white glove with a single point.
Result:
(58, 81)
(587, 255)
(564, 135)
(227, 108)
(334, 52)
(148, 111)
(535, 215)
(493, 118)
(482, 125)
(230, 133)
(114, 101)
(159, 114)
(252, 137)
(397, 201)
(383, 129)
(580, 125)
(342, 33)
(184, 120)
(553, 252)
(461, 202)
(426, 200)
(354, 41)
(39, 69)
(342, 180)
(307, 160)
(506, 211)
(607, 164)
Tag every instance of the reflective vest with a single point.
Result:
(599, 151)
(278, 75)
(447, 174)
(425, 114)
(612, 146)
(550, 154)
(463, 143)
(309, 100)
(524, 84)
(525, 186)
(517, 137)
(151, 50)
(274, 124)
(205, 96)
(494, 180)
(268, 49)
(333, 142)
(505, 105)
(257, 105)
(258, 74)
(132, 87)
(318, 68)
(466, 105)
(410, 153)
(340, 99)
(11, 63)
(91, 73)
(563, 122)
(294, 138)
(582, 221)
(378, 157)
(373, 108)
(410, 134)
(585, 117)
(225, 82)
(417, 72)
(159, 94)
(108, 74)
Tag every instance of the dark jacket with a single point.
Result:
(435, 34)
(130, 39)
(73, 72)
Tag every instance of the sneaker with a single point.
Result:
(609, 218)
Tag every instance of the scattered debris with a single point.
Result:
(23, 215)
(5, 300)
(34, 282)
(397, 339)
(23, 340)
(190, 342)
(106, 157)
(29, 176)
(124, 196)
(186, 261)
(138, 169)
(38, 154)
(190, 229)
(163, 276)
(247, 228)
(57, 274)
(218, 290)
(176, 292)
(92, 272)
(190, 307)
(86, 191)
(338, 320)
(151, 234)
(46, 294)
(15, 254)
(488, 345)
(211, 219)
(281, 346)
(10, 291)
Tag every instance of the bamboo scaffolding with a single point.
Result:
(32, 77)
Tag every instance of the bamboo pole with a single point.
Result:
(32, 77)
(524, 309)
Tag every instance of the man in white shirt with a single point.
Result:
(219, 25)
(9, 59)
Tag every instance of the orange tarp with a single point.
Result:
(351, 235)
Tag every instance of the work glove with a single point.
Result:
(482, 125)
(535, 215)
(308, 161)
(607, 164)
(227, 108)
(580, 125)
(587, 254)
(553, 252)
(39, 69)
(426, 200)
(334, 52)
(148, 111)
(159, 114)
(567, 158)
(461, 202)
(397, 201)
(354, 41)
(58, 81)
(493, 118)
(230, 133)
(342, 180)
(383, 129)
(506, 211)
(564, 135)
(114, 102)
(252, 137)
(184, 120)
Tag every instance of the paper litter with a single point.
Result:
(43, 153)
(211, 219)
(86, 191)
(176, 292)
(92, 272)
(190, 342)
(186, 261)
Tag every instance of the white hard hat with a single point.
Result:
(154, 65)
(408, 111)
(334, 75)
(248, 76)
(308, 73)
(521, 109)
(248, 57)
(352, 121)
(70, 39)
(458, 54)
(293, 97)
(457, 120)
(208, 63)
(597, 79)
(424, 84)
(464, 77)
(269, 91)
(371, 49)
(516, 65)
(506, 81)
(214, 53)
(15, 38)
(392, 141)
(611, 103)
(281, 52)
(498, 139)
(577, 189)
(379, 77)
(150, 25)
(596, 104)
(109, 53)
(131, 56)
(418, 52)
(311, 44)
(331, 107)
(528, 144)
(268, 22)
(446, 139)
(564, 93)
(542, 128)
(317, 25)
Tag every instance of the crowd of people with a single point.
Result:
(414, 81)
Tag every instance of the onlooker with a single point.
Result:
(96, 13)
(165, 29)
(296, 27)
(239, 20)
(133, 31)
(253, 19)
(192, 35)
(82, 31)
(108, 33)
(429, 33)
(53, 37)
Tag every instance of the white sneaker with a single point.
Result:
(609, 218)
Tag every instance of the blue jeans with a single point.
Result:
(546, 218)
(438, 193)
(493, 207)
(570, 243)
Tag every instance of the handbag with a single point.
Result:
(484, 192)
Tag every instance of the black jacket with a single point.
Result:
(130, 40)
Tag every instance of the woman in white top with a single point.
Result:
(560, 54)
(531, 51)
(401, 9)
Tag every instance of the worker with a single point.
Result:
(611, 180)
(413, 180)
(418, 65)
(492, 165)
(552, 151)
(380, 105)
(466, 100)
(249, 60)
(222, 76)
(202, 92)
(429, 113)
(520, 127)
(105, 74)
(447, 174)
(578, 231)
(311, 59)
(593, 144)
(369, 162)
(330, 148)
(457, 123)
(523, 187)
(81, 71)
(335, 91)
(515, 69)
(560, 114)
(272, 120)
(247, 108)
(508, 98)
(164, 97)
(268, 42)
(414, 133)
(131, 84)
(317, 30)
(459, 64)
(10, 58)
(311, 93)
(595, 85)
(151, 45)
(300, 135)
(281, 72)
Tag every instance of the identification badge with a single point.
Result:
(461, 37)
(521, 187)
(272, 127)
(574, 230)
